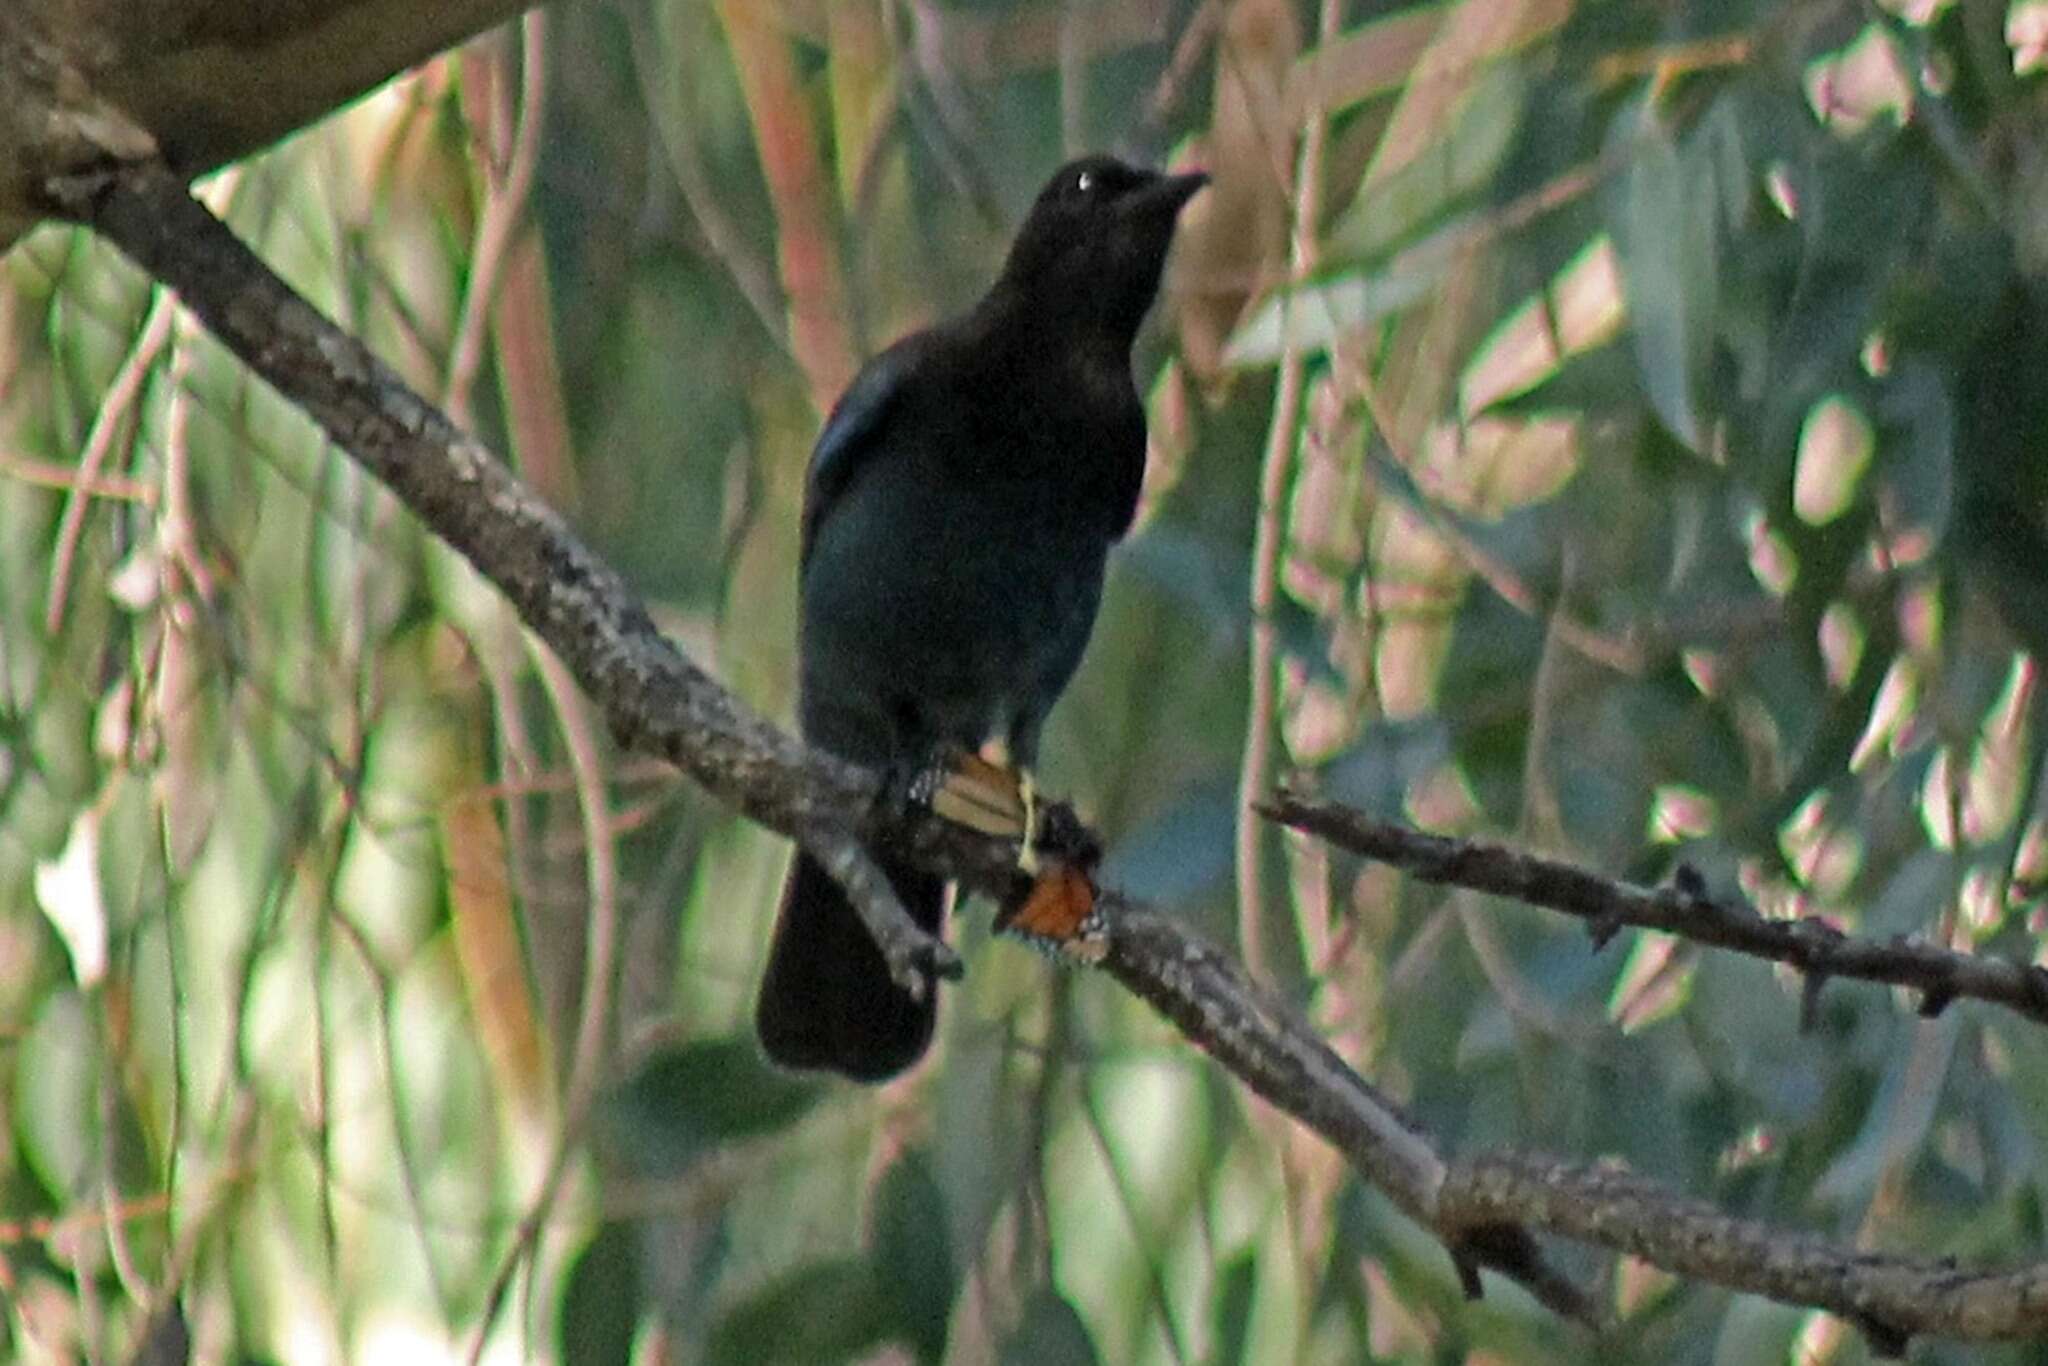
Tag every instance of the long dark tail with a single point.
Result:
(827, 1000)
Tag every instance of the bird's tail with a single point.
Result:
(828, 1001)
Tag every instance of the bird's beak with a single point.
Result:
(1168, 193)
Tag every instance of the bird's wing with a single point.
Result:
(851, 432)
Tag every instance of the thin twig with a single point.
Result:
(1276, 468)
(1889, 1298)
(504, 213)
(115, 410)
(1688, 911)
(600, 971)
(51, 475)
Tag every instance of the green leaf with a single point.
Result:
(56, 1115)
(1415, 210)
(1419, 199)
(1051, 1334)
(601, 1306)
(1309, 319)
(823, 1312)
(1213, 582)
(1663, 222)
(1599, 381)
(1918, 420)
(913, 1252)
(1756, 1330)
(1446, 175)
(691, 1100)
(1180, 851)
(1378, 772)
(1898, 1118)
(1207, 579)
(1234, 1308)
(1494, 654)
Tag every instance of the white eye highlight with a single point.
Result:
(1084, 182)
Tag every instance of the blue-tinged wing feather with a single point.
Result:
(851, 432)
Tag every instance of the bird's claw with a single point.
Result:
(918, 964)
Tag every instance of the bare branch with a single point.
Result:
(1684, 909)
(1889, 1298)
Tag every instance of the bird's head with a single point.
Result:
(1095, 241)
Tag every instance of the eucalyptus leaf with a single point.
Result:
(685, 1102)
(601, 1305)
(1662, 217)
(1051, 1334)
(913, 1252)
(56, 1111)
(822, 1312)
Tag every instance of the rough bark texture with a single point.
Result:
(200, 81)
(1686, 909)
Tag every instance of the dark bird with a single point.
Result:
(960, 507)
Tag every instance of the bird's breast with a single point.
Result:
(974, 594)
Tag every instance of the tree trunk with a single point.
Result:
(205, 81)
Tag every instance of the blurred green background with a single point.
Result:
(1646, 405)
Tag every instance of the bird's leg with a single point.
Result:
(1027, 849)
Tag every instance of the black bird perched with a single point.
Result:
(960, 506)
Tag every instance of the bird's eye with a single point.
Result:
(1084, 182)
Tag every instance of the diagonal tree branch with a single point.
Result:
(1684, 909)
(656, 701)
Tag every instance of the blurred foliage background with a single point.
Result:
(1610, 426)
